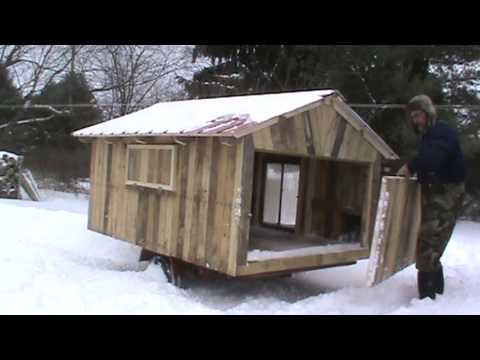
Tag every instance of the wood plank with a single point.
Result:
(120, 205)
(165, 229)
(189, 201)
(182, 193)
(323, 203)
(356, 121)
(150, 220)
(206, 175)
(290, 114)
(396, 229)
(307, 107)
(369, 153)
(332, 223)
(172, 239)
(93, 186)
(318, 124)
(216, 168)
(276, 137)
(165, 166)
(108, 191)
(267, 139)
(160, 222)
(259, 158)
(330, 131)
(95, 192)
(351, 145)
(246, 195)
(258, 139)
(308, 141)
(141, 219)
(253, 129)
(236, 207)
(217, 259)
(325, 130)
(310, 191)
(114, 189)
(304, 262)
(288, 135)
(367, 218)
(144, 159)
(102, 174)
(377, 183)
(339, 137)
(300, 227)
(153, 168)
(349, 115)
(131, 214)
(299, 130)
(392, 247)
(227, 192)
(196, 179)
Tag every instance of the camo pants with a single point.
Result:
(441, 205)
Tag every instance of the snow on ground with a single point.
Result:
(51, 264)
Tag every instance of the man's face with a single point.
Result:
(420, 120)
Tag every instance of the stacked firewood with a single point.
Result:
(10, 172)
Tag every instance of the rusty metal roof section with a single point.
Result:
(227, 125)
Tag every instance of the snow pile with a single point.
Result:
(51, 264)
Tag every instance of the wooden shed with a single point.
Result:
(251, 185)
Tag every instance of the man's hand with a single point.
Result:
(404, 171)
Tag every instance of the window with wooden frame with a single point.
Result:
(280, 192)
(151, 166)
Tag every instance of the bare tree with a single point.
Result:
(134, 76)
(129, 76)
(33, 67)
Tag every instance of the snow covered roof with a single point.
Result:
(223, 116)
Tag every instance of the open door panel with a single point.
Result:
(397, 227)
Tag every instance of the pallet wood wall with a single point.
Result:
(329, 192)
(335, 191)
(198, 221)
(205, 220)
(396, 229)
(319, 132)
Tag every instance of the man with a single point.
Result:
(440, 170)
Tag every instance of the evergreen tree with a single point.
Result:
(72, 89)
(363, 74)
(9, 95)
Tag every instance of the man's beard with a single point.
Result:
(419, 129)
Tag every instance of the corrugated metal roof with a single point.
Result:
(208, 117)
(227, 116)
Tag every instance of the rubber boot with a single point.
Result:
(439, 281)
(426, 285)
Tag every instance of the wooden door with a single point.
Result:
(396, 228)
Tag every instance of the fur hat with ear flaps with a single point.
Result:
(422, 102)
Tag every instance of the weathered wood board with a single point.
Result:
(191, 198)
(300, 263)
(28, 183)
(200, 221)
(396, 229)
(319, 132)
